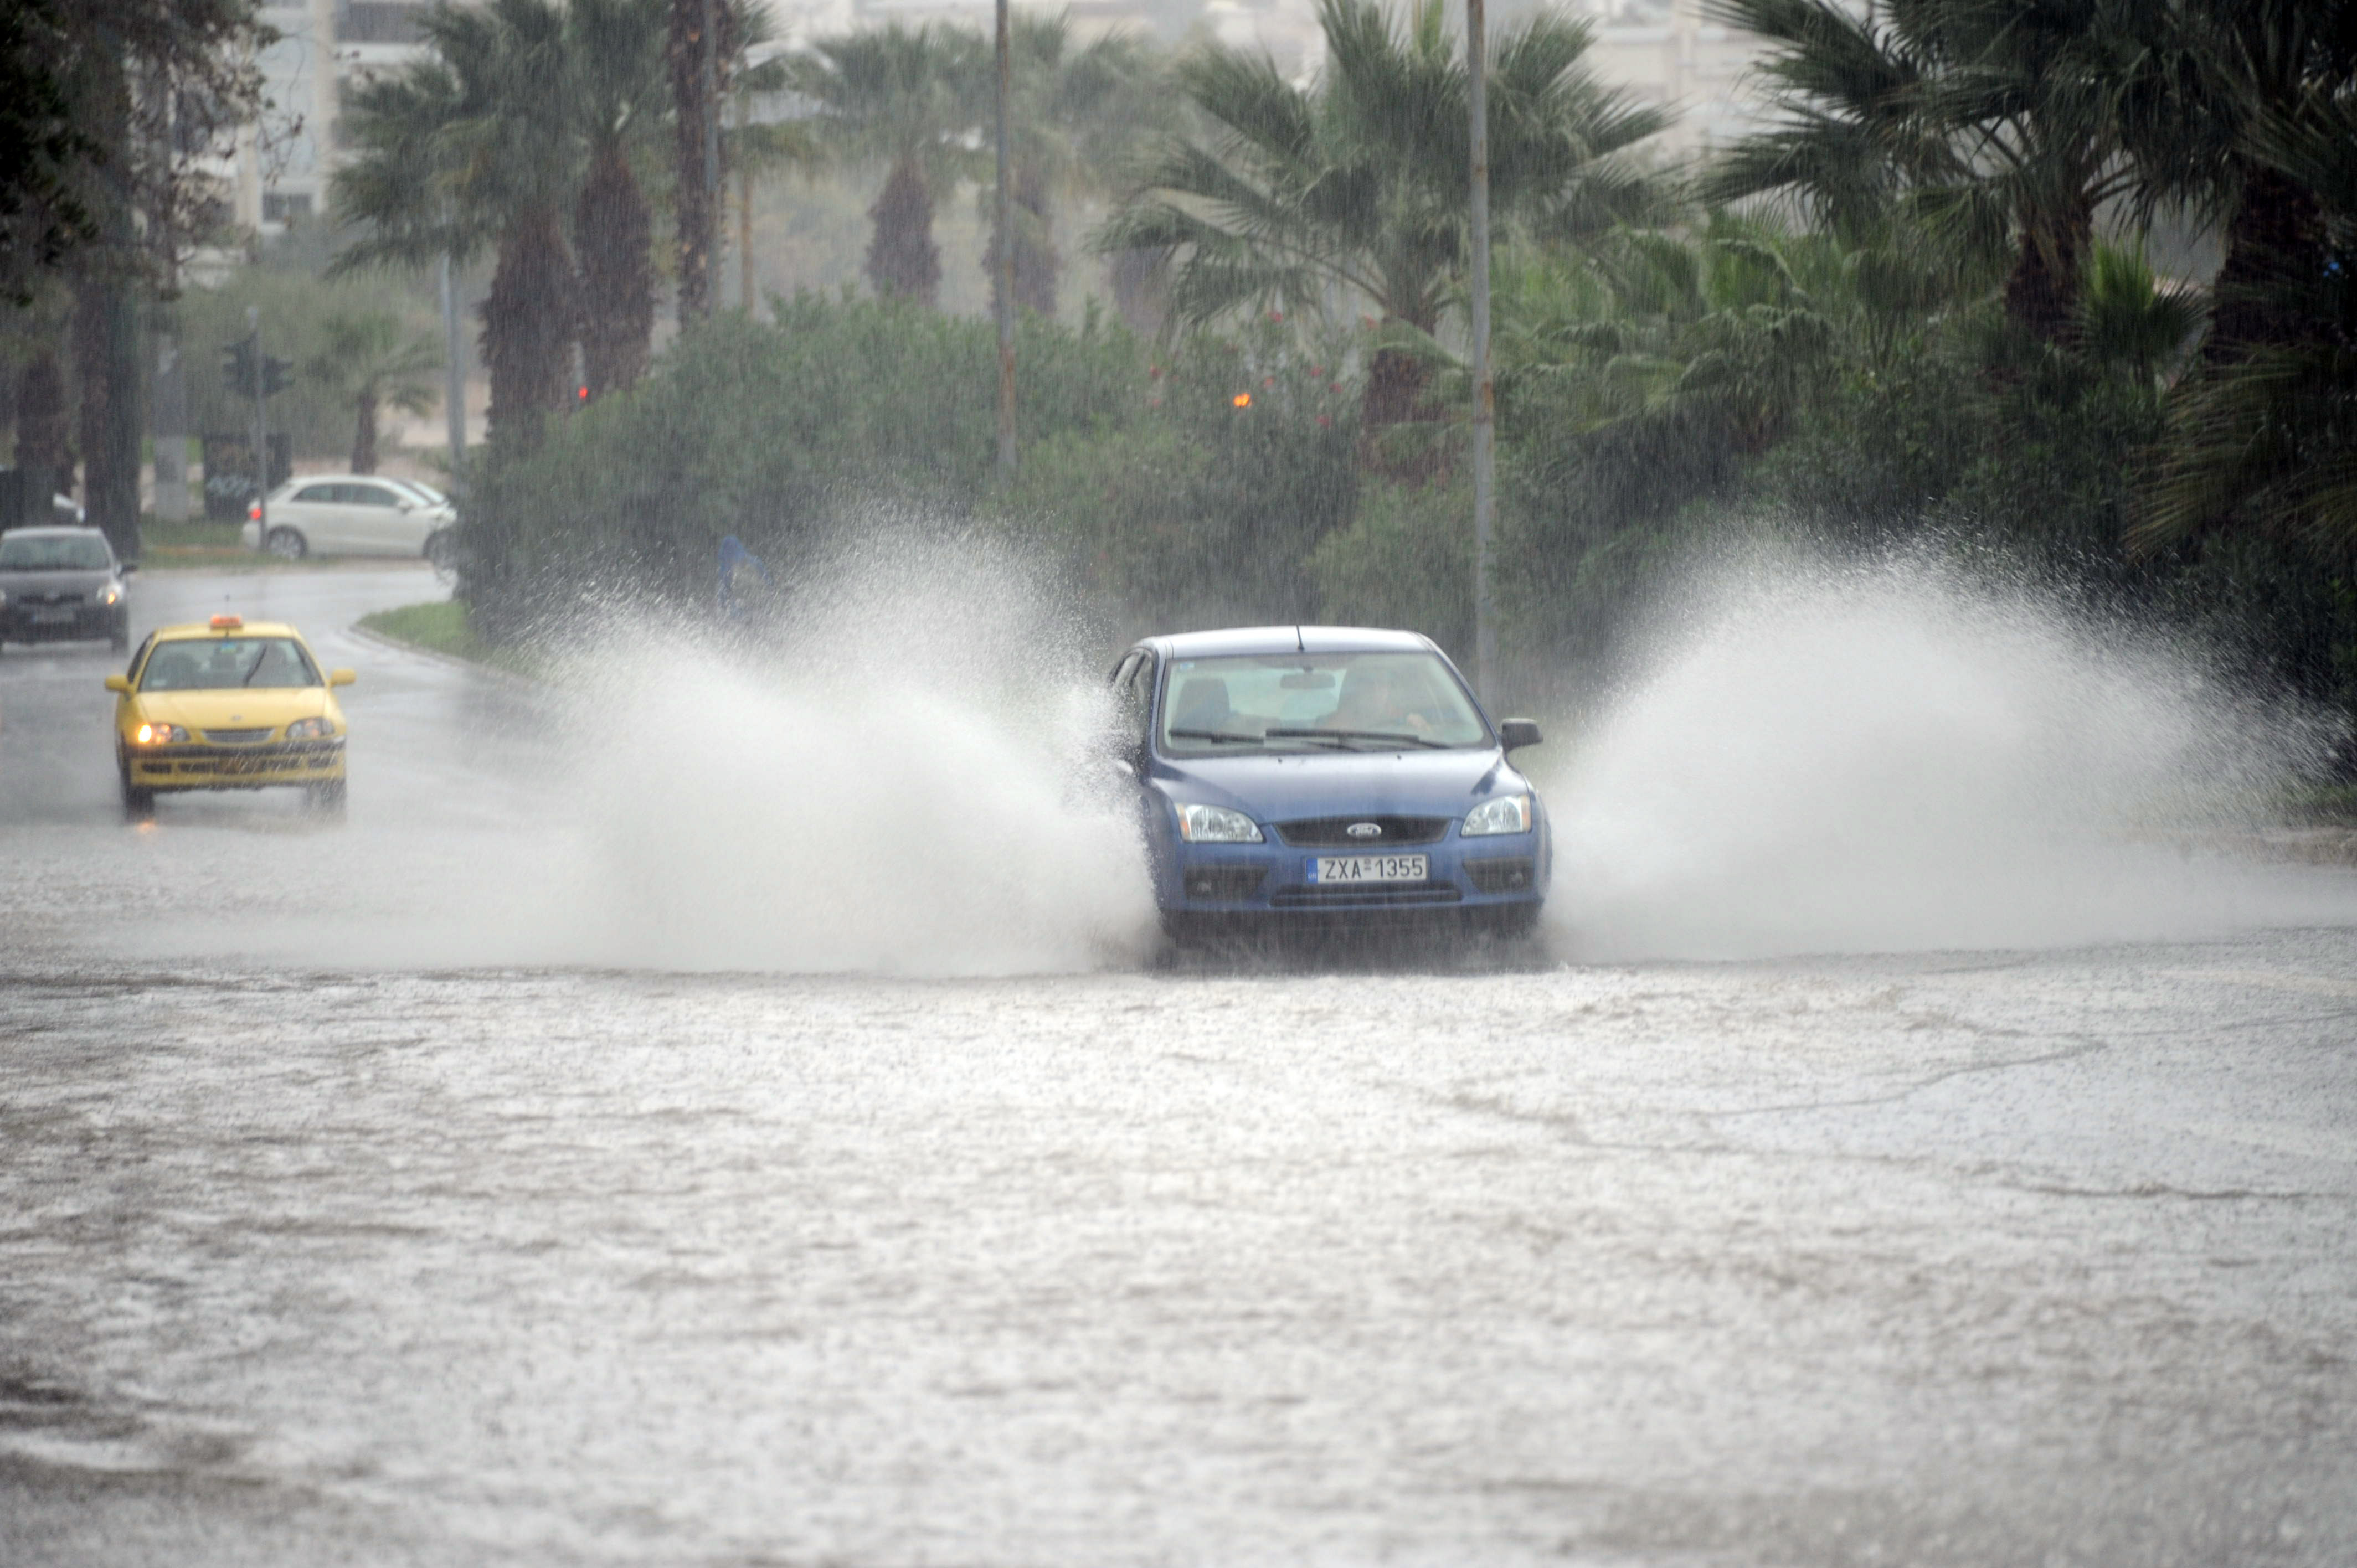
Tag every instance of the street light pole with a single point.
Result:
(1485, 401)
(454, 379)
(1006, 268)
(711, 97)
(261, 434)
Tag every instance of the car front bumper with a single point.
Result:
(40, 623)
(235, 766)
(1501, 880)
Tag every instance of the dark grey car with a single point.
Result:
(60, 582)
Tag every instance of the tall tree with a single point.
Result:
(1078, 113)
(621, 97)
(1358, 181)
(903, 97)
(367, 360)
(474, 146)
(2001, 123)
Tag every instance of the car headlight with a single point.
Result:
(311, 729)
(160, 735)
(1216, 824)
(1506, 814)
(111, 595)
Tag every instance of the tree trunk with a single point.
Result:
(1141, 289)
(106, 369)
(903, 262)
(2277, 236)
(528, 331)
(1394, 395)
(2042, 293)
(364, 430)
(44, 424)
(697, 203)
(614, 238)
(1035, 261)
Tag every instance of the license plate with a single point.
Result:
(54, 616)
(1347, 868)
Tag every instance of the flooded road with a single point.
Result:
(343, 1222)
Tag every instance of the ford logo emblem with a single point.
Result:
(1365, 830)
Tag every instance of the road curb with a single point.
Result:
(507, 678)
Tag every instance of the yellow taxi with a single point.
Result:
(222, 704)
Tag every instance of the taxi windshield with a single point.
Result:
(227, 663)
(1308, 701)
(54, 553)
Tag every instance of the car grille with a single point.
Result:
(36, 597)
(1219, 882)
(1334, 832)
(1503, 876)
(1394, 894)
(237, 737)
(248, 761)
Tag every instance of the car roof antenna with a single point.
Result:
(1299, 646)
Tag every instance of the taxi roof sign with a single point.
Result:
(227, 623)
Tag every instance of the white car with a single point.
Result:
(356, 514)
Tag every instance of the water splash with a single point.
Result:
(1890, 757)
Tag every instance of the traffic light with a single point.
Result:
(237, 370)
(237, 366)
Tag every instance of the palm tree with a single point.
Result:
(474, 146)
(2000, 122)
(366, 361)
(621, 98)
(1076, 111)
(1359, 181)
(902, 96)
(2270, 437)
(2213, 72)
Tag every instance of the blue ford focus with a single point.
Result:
(1307, 777)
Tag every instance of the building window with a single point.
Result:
(286, 206)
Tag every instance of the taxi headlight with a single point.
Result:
(311, 729)
(1506, 814)
(160, 735)
(1216, 824)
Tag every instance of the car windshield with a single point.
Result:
(215, 664)
(422, 491)
(1306, 701)
(54, 553)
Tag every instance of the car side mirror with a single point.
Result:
(342, 677)
(119, 684)
(1515, 733)
(127, 567)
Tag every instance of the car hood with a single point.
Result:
(14, 581)
(237, 709)
(1284, 787)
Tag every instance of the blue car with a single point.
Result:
(1303, 779)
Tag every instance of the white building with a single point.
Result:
(282, 162)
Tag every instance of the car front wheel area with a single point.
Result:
(288, 545)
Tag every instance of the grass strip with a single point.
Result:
(442, 626)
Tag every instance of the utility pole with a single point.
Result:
(1005, 311)
(261, 434)
(1485, 400)
(711, 96)
(454, 379)
(744, 196)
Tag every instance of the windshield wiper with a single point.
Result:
(1379, 735)
(1224, 735)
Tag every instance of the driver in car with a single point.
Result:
(1378, 700)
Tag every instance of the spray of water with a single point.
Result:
(885, 782)
(1820, 758)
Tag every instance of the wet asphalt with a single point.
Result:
(355, 1251)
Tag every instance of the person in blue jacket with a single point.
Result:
(739, 567)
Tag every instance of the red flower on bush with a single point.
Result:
(1277, 316)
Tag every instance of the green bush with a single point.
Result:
(845, 415)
